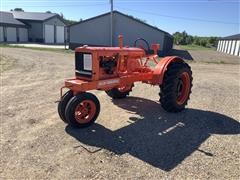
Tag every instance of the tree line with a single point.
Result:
(182, 38)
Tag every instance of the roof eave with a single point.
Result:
(10, 24)
(115, 11)
(39, 20)
(56, 15)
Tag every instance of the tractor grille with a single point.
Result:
(83, 64)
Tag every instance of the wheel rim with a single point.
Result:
(85, 111)
(183, 88)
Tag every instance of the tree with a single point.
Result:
(189, 39)
(18, 9)
(68, 21)
(177, 37)
(203, 42)
(196, 40)
(182, 38)
(213, 41)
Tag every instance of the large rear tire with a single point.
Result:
(82, 110)
(176, 87)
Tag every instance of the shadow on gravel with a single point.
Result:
(161, 139)
(181, 53)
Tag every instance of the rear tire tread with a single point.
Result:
(167, 94)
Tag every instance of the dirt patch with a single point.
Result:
(6, 63)
(208, 56)
(214, 57)
(132, 138)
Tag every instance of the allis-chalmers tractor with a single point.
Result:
(115, 70)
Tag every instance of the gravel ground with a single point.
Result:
(133, 138)
(207, 56)
(33, 45)
(212, 56)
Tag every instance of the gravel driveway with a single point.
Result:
(133, 138)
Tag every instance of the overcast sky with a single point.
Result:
(197, 17)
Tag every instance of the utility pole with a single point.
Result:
(111, 23)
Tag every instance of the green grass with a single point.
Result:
(218, 62)
(194, 47)
(37, 48)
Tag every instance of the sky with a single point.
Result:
(196, 17)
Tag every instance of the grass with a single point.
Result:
(37, 48)
(218, 62)
(194, 47)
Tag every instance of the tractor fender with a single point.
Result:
(161, 68)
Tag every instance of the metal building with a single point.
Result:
(96, 32)
(230, 45)
(43, 27)
(35, 27)
(12, 30)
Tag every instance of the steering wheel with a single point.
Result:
(141, 45)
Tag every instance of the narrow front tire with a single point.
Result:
(82, 110)
(63, 103)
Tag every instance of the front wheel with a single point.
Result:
(82, 110)
(63, 103)
(176, 87)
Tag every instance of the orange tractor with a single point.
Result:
(115, 70)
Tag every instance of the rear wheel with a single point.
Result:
(63, 103)
(82, 110)
(120, 92)
(176, 87)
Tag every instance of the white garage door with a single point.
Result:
(237, 48)
(60, 34)
(49, 33)
(1, 34)
(23, 34)
(223, 47)
(11, 34)
(233, 47)
(229, 47)
(226, 47)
